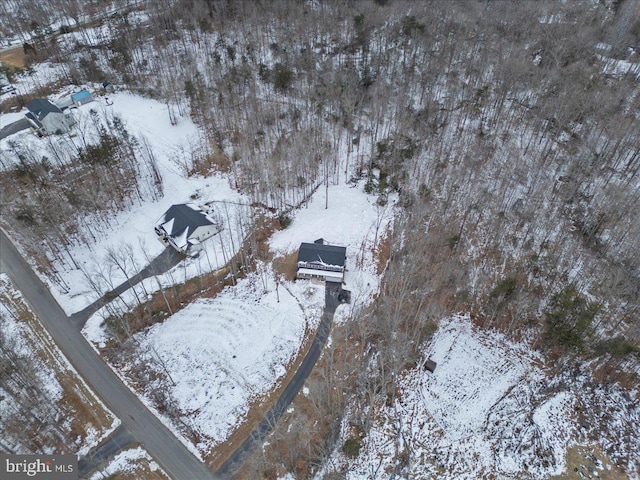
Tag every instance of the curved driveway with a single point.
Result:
(233, 463)
(174, 458)
(137, 421)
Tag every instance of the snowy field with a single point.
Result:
(21, 329)
(483, 413)
(471, 377)
(218, 355)
(224, 353)
(130, 233)
(353, 220)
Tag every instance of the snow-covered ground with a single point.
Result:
(218, 355)
(483, 412)
(131, 232)
(63, 385)
(133, 461)
(352, 219)
(38, 77)
(9, 118)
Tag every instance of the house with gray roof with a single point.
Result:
(185, 226)
(48, 119)
(321, 261)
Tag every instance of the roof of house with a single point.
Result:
(181, 220)
(41, 108)
(324, 254)
(81, 95)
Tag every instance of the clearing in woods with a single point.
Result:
(585, 462)
(14, 57)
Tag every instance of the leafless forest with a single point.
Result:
(508, 129)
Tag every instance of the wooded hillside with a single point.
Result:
(509, 130)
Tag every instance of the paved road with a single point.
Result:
(144, 426)
(14, 127)
(138, 423)
(255, 439)
(117, 441)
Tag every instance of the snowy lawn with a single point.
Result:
(9, 118)
(134, 241)
(484, 412)
(217, 356)
(352, 219)
(130, 233)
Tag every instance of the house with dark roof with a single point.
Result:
(321, 261)
(185, 226)
(48, 119)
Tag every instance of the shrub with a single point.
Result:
(370, 186)
(285, 220)
(569, 317)
(351, 447)
(264, 73)
(505, 289)
(383, 149)
(427, 330)
(26, 213)
(282, 77)
(503, 292)
(424, 192)
(103, 153)
(453, 241)
(617, 347)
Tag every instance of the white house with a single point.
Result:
(185, 225)
(48, 119)
(321, 261)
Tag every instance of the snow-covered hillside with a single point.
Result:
(343, 215)
(488, 410)
(216, 357)
(480, 162)
(54, 404)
